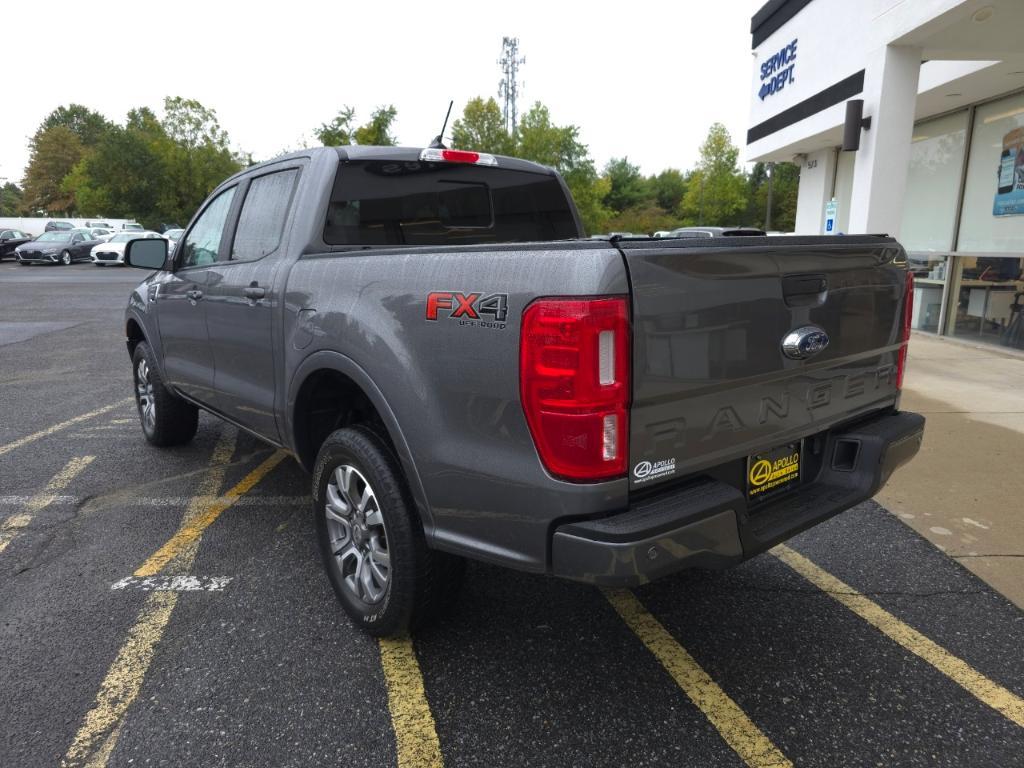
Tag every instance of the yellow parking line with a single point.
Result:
(731, 722)
(193, 526)
(1003, 701)
(14, 524)
(62, 425)
(415, 733)
(97, 736)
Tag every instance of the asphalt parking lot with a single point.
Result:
(169, 608)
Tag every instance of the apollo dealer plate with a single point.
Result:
(773, 472)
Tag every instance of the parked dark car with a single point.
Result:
(11, 239)
(57, 248)
(99, 225)
(59, 226)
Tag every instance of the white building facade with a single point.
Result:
(940, 163)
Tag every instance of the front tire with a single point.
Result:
(166, 419)
(371, 538)
(65, 258)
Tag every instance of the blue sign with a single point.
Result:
(831, 211)
(777, 71)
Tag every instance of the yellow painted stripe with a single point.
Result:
(62, 425)
(731, 722)
(1003, 701)
(97, 736)
(94, 741)
(13, 525)
(415, 732)
(193, 526)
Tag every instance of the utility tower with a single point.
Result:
(508, 89)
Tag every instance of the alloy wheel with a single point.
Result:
(358, 536)
(65, 258)
(144, 396)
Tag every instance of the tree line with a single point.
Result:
(159, 169)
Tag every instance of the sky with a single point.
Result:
(641, 79)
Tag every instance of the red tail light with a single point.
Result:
(574, 384)
(908, 311)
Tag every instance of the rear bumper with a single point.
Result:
(708, 524)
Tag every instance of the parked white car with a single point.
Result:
(112, 251)
(173, 236)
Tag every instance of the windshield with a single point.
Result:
(174, 234)
(123, 238)
(133, 227)
(54, 237)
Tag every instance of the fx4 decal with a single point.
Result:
(469, 308)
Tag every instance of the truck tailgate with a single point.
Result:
(711, 383)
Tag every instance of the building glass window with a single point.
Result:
(929, 213)
(933, 182)
(986, 294)
(993, 213)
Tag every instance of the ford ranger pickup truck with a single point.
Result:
(465, 375)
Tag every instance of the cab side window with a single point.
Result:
(261, 222)
(202, 244)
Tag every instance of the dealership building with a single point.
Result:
(934, 153)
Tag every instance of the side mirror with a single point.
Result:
(146, 254)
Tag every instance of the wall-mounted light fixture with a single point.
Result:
(855, 123)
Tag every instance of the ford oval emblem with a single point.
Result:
(804, 342)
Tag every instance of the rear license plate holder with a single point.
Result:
(774, 472)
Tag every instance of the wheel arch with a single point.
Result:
(352, 392)
(134, 334)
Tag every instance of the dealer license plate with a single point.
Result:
(773, 472)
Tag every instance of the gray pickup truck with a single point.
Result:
(463, 374)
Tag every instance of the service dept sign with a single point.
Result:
(777, 71)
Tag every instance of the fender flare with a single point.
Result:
(133, 315)
(335, 361)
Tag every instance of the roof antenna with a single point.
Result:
(438, 142)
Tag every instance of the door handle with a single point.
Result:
(194, 295)
(254, 291)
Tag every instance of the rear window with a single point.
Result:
(415, 203)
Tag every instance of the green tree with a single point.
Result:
(377, 132)
(338, 132)
(628, 187)
(643, 219)
(154, 170)
(540, 140)
(482, 128)
(668, 188)
(54, 152)
(88, 125)
(785, 182)
(717, 192)
(190, 124)
(127, 174)
(10, 199)
(196, 159)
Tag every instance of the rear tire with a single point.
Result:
(371, 539)
(166, 419)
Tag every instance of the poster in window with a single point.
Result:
(1009, 199)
